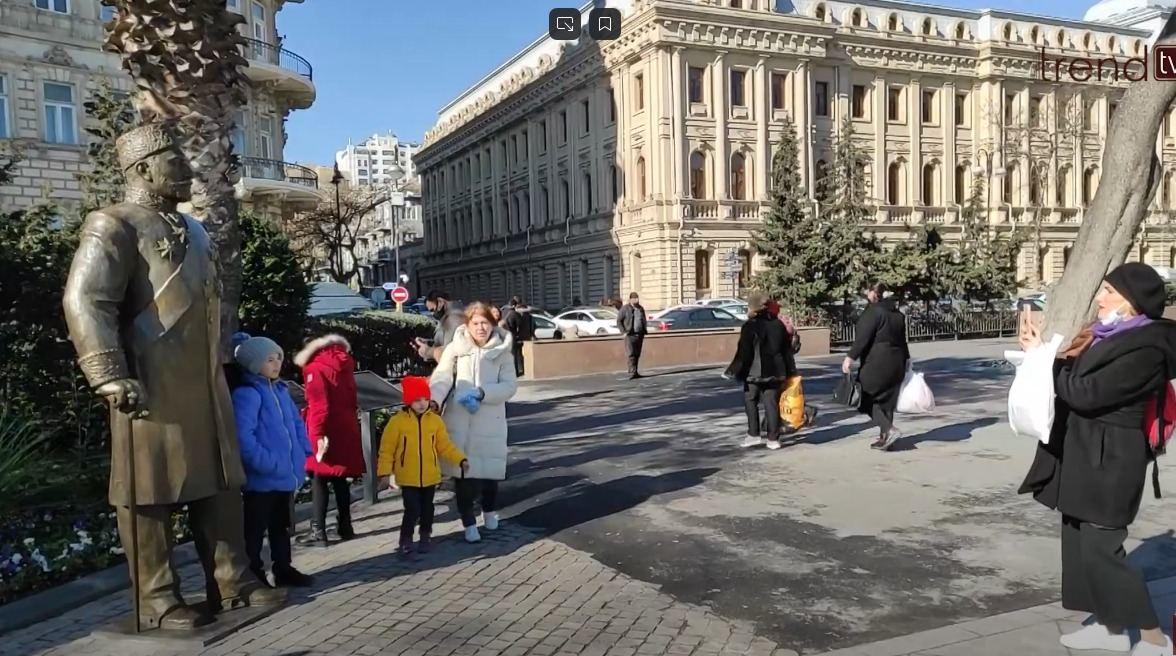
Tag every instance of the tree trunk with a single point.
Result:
(1121, 201)
(185, 59)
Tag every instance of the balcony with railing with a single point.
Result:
(288, 72)
(268, 179)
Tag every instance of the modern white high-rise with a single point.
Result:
(380, 159)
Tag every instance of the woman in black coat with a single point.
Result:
(881, 346)
(1094, 468)
(763, 360)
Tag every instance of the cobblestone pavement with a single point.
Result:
(513, 594)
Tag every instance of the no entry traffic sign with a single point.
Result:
(399, 294)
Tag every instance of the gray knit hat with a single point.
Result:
(253, 352)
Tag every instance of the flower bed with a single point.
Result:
(43, 548)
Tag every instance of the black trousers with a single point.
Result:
(518, 358)
(267, 514)
(1097, 579)
(769, 393)
(884, 417)
(468, 491)
(633, 345)
(418, 509)
(319, 495)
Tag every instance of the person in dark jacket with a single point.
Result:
(332, 424)
(633, 325)
(763, 360)
(1094, 468)
(880, 345)
(274, 449)
(521, 325)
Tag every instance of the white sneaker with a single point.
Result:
(1148, 649)
(773, 444)
(472, 535)
(1096, 636)
(490, 519)
(751, 441)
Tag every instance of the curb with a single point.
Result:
(61, 599)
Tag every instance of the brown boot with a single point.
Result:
(250, 593)
(177, 618)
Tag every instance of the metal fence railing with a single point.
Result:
(934, 327)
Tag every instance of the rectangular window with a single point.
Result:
(612, 106)
(526, 145)
(1036, 117)
(639, 91)
(778, 82)
(563, 127)
(858, 101)
(961, 109)
(59, 6)
(238, 134)
(894, 104)
(930, 108)
(1010, 101)
(4, 133)
(234, 5)
(697, 76)
(60, 114)
(738, 88)
(514, 148)
(821, 99)
(259, 26)
(586, 111)
(542, 136)
(265, 132)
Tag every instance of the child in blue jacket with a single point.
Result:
(274, 448)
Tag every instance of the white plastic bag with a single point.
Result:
(915, 397)
(1031, 396)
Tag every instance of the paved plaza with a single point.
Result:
(633, 525)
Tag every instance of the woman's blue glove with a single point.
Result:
(469, 400)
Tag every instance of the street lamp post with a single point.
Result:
(336, 180)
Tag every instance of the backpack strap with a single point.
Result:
(1161, 401)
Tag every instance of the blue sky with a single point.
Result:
(384, 65)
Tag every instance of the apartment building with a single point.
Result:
(591, 169)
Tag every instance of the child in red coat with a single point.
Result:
(332, 423)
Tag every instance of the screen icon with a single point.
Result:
(604, 23)
(563, 24)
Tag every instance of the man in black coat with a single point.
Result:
(632, 323)
(763, 360)
(521, 324)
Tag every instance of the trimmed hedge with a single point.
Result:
(381, 341)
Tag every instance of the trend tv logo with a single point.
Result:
(1082, 69)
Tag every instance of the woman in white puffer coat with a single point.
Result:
(473, 381)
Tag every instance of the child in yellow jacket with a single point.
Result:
(410, 451)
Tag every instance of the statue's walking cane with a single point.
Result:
(135, 569)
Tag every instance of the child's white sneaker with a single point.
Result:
(472, 535)
(1148, 649)
(1096, 636)
(490, 519)
(750, 441)
(772, 444)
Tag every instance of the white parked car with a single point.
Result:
(545, 328)
(589, 322)
(720, 301)
(737, 309)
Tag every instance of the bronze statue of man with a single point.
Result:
(143, 307)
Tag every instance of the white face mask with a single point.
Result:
(1113, 317)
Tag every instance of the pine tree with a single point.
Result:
(987, 259)
(788, 217)
(839, 255)
(276, 300)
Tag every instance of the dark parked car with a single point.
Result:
(701, 318)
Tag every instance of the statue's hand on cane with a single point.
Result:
(126, 395)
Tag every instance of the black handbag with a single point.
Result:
(848, 391)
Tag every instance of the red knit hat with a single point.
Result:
(413, 388)
(773, 308)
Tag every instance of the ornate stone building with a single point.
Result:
(589, 169)
(51, 63)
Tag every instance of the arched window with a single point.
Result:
(929, 197)
(894, 183)
(893, 24)
(819, 13)
(566, 198)
(960, 31)
(1063, 194)
(858, 18)
(642, 191)
(1060, 39)
(1112, 45)
(1087, 41)
(1137, 47)
(928, 28)
(1034, 34)
(697, 175)
(589, 200)
(1089, 185)
(1007, 32)
(1037, 187)
(702, 276)
(961, 184)
(1009, 184)
(738, 177)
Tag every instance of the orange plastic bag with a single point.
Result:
(792, 403)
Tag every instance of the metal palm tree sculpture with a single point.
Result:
(185, 59)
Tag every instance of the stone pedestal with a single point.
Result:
(226, 623)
